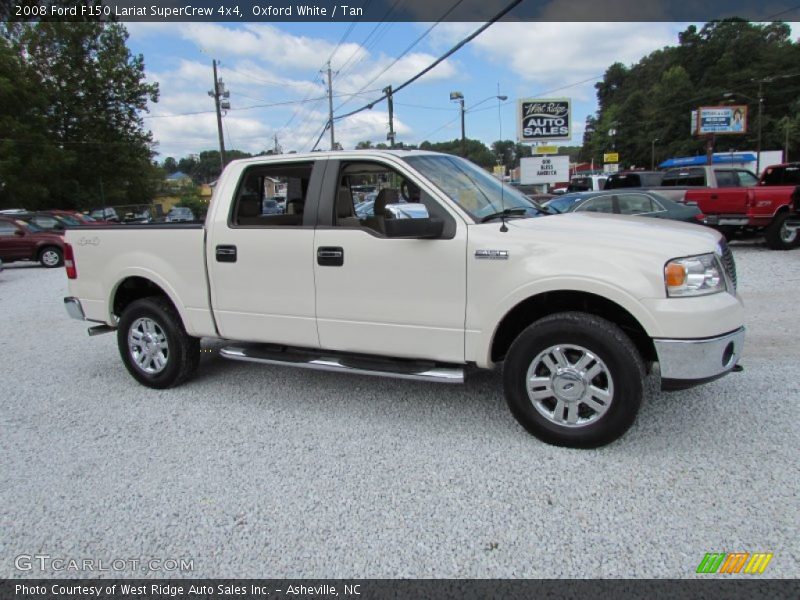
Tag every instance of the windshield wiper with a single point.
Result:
(509, 212)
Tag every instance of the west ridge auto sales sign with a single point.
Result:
(543, 119)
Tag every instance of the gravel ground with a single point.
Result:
(268, 471)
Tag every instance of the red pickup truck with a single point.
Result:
(735, 202)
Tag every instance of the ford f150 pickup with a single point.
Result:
(450, 269)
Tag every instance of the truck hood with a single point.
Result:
(644, 235)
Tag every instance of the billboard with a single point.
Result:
(611, 157)
(544, 169)
(722, 119)
(543, 119)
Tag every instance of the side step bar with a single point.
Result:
(345, 363)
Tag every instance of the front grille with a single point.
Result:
(728, 263)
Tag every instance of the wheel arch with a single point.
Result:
(136, 286)
(543, 304)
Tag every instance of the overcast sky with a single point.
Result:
(280, 65)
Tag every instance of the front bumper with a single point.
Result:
(74, 308)
(686, 363)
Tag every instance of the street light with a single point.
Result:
(459, 97)
(653, 155)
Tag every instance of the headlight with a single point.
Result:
(694, 276)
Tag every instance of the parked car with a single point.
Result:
(270, 206)
(783, 174)
(735, 205)
(22, 240)
(75, 218)
(586, 183)
(107, 213)
(634, 179)
(468, 273)
(623, 202)
(178, 214)
(43, 221)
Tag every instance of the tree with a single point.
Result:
(649, 103)
(170, 165)
(91, 92)
(477, 151)
(26, 151)
(366, 144)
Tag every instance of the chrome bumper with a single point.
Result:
(74, 308)
(685, 363)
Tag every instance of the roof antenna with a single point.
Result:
(500, 98)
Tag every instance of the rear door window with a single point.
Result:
(726, 178)
(601, 204)
(636, 204)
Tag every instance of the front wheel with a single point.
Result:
(574, 379)
(154, 345)
(778, 234)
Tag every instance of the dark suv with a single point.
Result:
(634, 179)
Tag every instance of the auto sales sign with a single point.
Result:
(543, 119)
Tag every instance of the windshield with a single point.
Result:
(469, 186)
(71, 221)
(561, 205)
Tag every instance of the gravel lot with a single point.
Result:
(267, 471)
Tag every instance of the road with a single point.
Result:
(251, 470)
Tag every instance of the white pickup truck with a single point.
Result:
(450, 269)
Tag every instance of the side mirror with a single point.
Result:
(19, 232)
(411, 221)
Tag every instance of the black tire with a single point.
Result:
(779, 239)
(50, 257)
(182, 356)
(623, 377)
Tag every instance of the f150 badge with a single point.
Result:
(492, 254)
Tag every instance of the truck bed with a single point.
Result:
(172, 255)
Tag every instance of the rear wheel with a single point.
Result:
(51, 256)
(574, 379)
(154, 345)
(779, 236)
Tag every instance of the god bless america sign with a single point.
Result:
(543, 119)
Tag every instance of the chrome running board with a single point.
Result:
(345, 363)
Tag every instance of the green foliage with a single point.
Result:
(73, 137)
(190, 198)
(204, 167)
(653, 99)
(476, 151)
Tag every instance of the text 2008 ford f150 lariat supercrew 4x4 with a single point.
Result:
(448, 269)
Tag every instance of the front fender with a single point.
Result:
(479, 341)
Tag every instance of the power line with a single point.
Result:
(411, 46)
(427, 69)
(439, 60)
(365, 43)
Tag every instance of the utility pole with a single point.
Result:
(653, 154)
(330, 106)
(459, 97)
(390, 136)
(760, 116)
(217, 93)
(276, 147)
